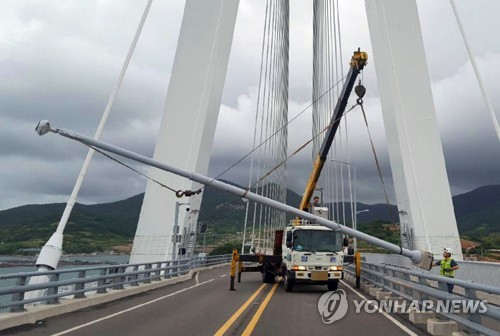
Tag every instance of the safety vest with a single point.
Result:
(446, 264)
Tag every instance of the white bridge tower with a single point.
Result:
(422, 189)
(188, 124)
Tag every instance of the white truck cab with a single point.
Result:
(311, 254)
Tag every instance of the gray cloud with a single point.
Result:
(59, 61)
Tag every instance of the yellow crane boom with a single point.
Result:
(358, 62)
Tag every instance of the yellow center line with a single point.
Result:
(235, 316)
(251, 326)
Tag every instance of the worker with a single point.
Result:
(448, 267)
(350, 250)
(316, 202)
(297, 244)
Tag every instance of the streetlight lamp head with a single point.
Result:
(43, 127)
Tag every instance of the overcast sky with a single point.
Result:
(59, 60)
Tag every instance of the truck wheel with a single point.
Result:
(268, 276)
(333, 284)
(289, 284)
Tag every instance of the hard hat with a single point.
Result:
(448, 250)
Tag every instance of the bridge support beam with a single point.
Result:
(188, 124)
(417, 161)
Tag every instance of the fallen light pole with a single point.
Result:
(422, 259)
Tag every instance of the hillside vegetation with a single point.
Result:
(99, 227)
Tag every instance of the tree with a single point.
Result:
(226, 248)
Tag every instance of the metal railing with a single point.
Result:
(75, 282)
(477, 271)
(417, 286)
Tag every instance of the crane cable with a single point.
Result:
(132, 168)
(377, 162)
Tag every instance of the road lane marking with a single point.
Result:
(251, 326)
(392, 319)
(130, 309)
(235, 316)
(223, 275)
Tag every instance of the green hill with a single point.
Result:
(90, 228)
(225, 212)
(98, 227)
(478, 211)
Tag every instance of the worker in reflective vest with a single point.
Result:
(448, 267)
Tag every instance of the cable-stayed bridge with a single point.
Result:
(192, 105)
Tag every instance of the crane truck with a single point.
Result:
(306, 253)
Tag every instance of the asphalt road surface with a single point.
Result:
(205, 306)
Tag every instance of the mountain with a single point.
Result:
(222, 210)
(367, 212)
(120, 217)
(90, 228)
(99, 226)
(478, 211)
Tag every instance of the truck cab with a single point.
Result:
(311, 255)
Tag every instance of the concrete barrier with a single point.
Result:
(374, 290)
(382, 295)
(365, 287)
(417, 317)
(441, 328)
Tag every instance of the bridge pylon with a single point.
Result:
(415, 149)
(188, 123)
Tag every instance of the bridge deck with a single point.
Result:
(203, 305)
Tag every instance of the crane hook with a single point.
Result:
(360, 92)
(188, 193)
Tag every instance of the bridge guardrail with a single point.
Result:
(96, 279)
(413, 285)
(478, 271)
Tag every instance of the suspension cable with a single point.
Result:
(486, 98)
(86, 163)
(255, 132)
(302, 147)
(270, 128)
(277, 131)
